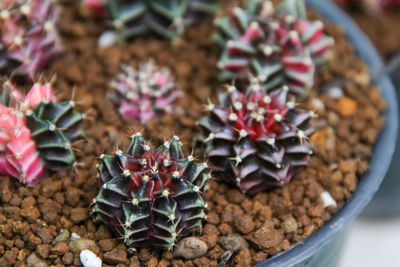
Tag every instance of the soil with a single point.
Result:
(381, 29)
(41, 225)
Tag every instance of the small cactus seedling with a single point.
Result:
(165, 18)
(146, 93)
(29, 38)
(36, 132)
(256, 140)
(151, 197)
(276, 47)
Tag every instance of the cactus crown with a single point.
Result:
(151, 197)
(146, 93)
(256, 140)
(49, 130)
(276, 47)
(167, 18)
(29, 38)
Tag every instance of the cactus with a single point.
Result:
(255, 140)
(151, 197)
(165, 18)
(46, 130)
(29, 38)
(276, 47)
(146, 93)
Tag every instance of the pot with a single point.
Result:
(386, 202)
(323, 247)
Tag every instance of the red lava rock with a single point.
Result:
(79, 214)
(107, 244)
(266, 237)
(244, 224)
(43, 250)
(68, 258)
(60, 249)
(117, 255)
(243, 259)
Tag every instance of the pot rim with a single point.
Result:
(383, 149)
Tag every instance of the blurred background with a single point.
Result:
(373, 237)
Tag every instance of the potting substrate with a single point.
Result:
(49, 223)
(378, 27)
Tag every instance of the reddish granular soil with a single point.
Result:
(36, 223)
(382, 29)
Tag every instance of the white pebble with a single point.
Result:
(335, 92)
(107, 39)
(89, 259)
(75, 235)
(327, 199)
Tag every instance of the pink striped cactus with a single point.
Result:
(36, 132)
(146, 93)
(274, 46)
(18, 154)
(29, 38)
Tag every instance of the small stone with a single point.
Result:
(68, 258)
(346, 107)
(34, 260)
(289, 225)
(266, 237)
(116, 256)
(89, 259)
(107, 39)
(190, 248)
(78, 215)
(60, 249)
(77, 245)
(244, 224)
(62, 236)
(233, 242)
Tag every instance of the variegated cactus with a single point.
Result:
(146, 93)
(151, 197)
(256, 140)
(36, 132)
(29, 38)
(275, 46)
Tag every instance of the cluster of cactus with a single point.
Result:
(373, 6)
(276, 47)
(255, 140)
(36, 132)
(29, 38)
(150, 197)
(165, 18)
(146, 93)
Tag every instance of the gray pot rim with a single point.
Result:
(383, 150)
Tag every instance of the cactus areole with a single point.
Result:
(256, 140)
(151, 197)
(275, 46)
(36, 132)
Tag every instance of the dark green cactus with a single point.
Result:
(165, 18)
(151, 197)
(54, 127)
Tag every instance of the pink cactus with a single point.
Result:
(146, 93)
(29, 35)
(18, 155)
(36, 132)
